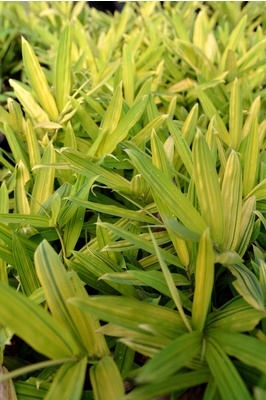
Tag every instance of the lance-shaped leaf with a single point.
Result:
(27, 100)
(181, 146)
(177, 382)
(16, 115)
(168, 192)
(25, 267)
(247, 285)
(85, 166)
(232, 201)
(251, 159)
(246, 225)
(132, 314)
(58, 288)
(235, 116)
(142, 243)
(16, 146)
(38, 81)
(44, 180)
(33, 147)
(39, 329)
(68, 382)
(210, 111)
(122, 129)
(128, 75)
(160, 161)
(172, 358)
(235, 316)
(207, 187)
(106, 380)
(204, 279)
(7, 389)
(234, 40)
(248, 349)
(21, 201)
(63, 68)
(229, 382)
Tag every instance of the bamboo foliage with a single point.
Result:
(132, 201)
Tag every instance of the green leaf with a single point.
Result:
(38, 80)
(142, 243)
(124, 125)
(172, 358)
(128, 75)
(169, 193)
(170, 283)
(234, 316)
(232, 201)
(58, 288)
(40, 221)
(235, 116)
(211, 111)
(106, 380)
(228, 380)
(178, 382)
(204, 280)
(181, 146)
(25, 267)
(39, 329)
(247, 349)
(247, 286)
(68, 382)
(44, 180)
(132, 314)
(63, 67)
(207, 187)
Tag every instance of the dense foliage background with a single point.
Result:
(132, 201)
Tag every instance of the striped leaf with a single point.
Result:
(207, 187)
(233, 40)
(21, 201)
(106, 380)
(58, 288)
(33, 147)
(229, 382)
(171, 285)
(249, 350)
(68, 382)
(172, 358)
(44, 180)
(4, 209)
(142, 243)
(16, 146)
(128, 75)
(160, 161)
(246, 225)
(181, 146)
(232, 201)
(38, 81)
(211, 111)
(248, 286)
(131, 314)
(127, 122)
(30, 106)
(235, 116)
(251, 159)
(169, 193)
(39, 329)
(63, 68)
(15, 115)
(204, 280)
(25, 267)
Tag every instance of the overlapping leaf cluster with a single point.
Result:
(132, 202)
